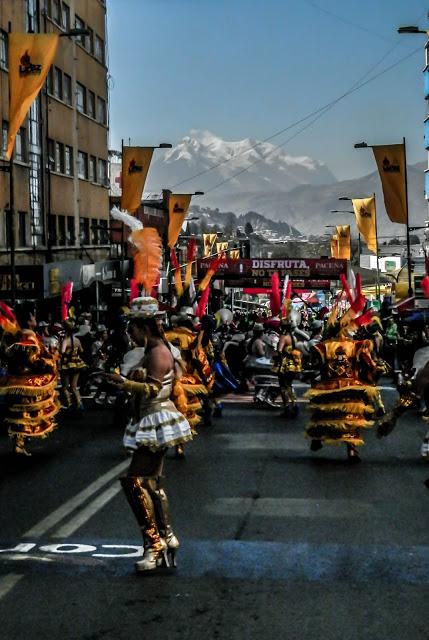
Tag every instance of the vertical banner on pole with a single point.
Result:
(366, 223)
(30, 58)
(390, 161)
(135, 166)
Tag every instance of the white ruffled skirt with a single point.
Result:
(165, 427)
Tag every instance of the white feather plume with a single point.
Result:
(123, 216)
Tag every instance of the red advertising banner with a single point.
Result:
(300, 269)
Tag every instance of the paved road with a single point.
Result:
(277, 542)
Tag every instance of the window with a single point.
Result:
(84, 230)
(62, 230)
(3, 49)
(68, 160)
(8, 224)
(22, 229)
(80, 97)
(59, 157)
(99, 49)
(94, 231)
(67, 89)
(52, 229)
(58, 83)
(82, 165)
(56, 11)
(50, 81)
(79, 24)
(51, 155)
(104, 232)
(101, 111)
(65, 16)
(91, 104)
(90, 41)
(21, 145)
(93, 169)
(102, 172)
(71, 238)
(4, 130)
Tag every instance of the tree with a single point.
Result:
(248, 229)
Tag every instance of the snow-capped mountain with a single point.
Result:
(263, 166)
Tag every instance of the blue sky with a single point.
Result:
(248, 68)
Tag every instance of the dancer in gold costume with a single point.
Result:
(29, 390)
(342, 402)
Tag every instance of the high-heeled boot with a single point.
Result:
(19, 445)
(67, 398)
(162, 512)
(77, 399)
(136, 490)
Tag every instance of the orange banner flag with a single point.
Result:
(208, 242)
(344, 243)
(390, 159)
(30, 58)
(135, 166)
(366, 222)
(178, 206)
(221, 246)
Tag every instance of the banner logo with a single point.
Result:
(133, 167)
(177, 208)
(364, 213)
(27, 68)
(389, 167)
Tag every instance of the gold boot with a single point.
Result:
(136, 490)
(162, 512)
(19, 446)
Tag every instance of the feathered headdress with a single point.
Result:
(148, 245)
(8, 321)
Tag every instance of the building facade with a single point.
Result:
(60, 170)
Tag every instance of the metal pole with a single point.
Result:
(123, 282)
(12, 218)
(376, 246)
(410, 286)
(12, 231)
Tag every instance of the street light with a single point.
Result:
(411, 29)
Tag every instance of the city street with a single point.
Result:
(277, 542)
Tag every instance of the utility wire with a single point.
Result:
(291, 126)
(320, 113)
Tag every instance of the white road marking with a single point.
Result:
(71, 505)
(85, 514)
(292, 507)
(8, 582)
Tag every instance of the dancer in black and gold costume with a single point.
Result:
(343, 401)
(287, 363)
(29, 390)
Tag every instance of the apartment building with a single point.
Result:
(60, 172)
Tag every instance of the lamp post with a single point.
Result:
(364, 145)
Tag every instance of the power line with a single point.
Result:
(320, 113)
(291, 126)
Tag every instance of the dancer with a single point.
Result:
(342, 403)
(71, 366)
(156, 424)
(28, 390)
(287, 362)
